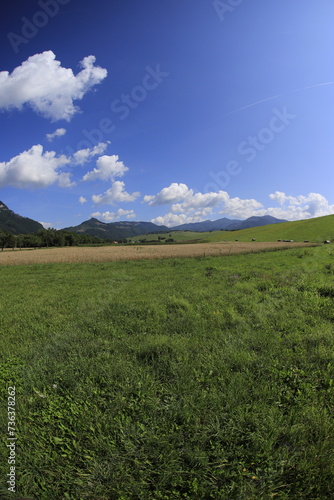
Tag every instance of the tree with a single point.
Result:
(19, 241)
(59, 239)
(48, 236)
(10, 240)
(2, 240)
(33, 240)
(71, 239)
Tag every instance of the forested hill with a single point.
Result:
(16, 224)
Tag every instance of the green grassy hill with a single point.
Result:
(314, 230)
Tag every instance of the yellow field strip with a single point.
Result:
(135, 252)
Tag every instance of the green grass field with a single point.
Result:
(314, 230)
(204, 378)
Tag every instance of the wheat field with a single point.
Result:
(136, 252)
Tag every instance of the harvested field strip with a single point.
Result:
(115, 253)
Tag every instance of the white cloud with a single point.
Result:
(38, 169)
(171, 194)
(172, 219)
(115, 194)
(195, 207)
(291, 207)
(48, 88)
(84, 155)
(82, 200)
(46, 225)
(34, 168)
(57, 133)
(108, 167)
(64, 180)
(300, 207)
(200, 200)
(241, 209)
(114, 216)
(187, 206)
(280, 197)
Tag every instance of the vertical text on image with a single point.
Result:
(11, 481)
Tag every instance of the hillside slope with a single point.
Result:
(314, 230)
(16, 224)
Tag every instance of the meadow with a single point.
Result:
(209, 377)
(109, 253)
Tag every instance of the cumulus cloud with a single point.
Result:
(35, 168)
(200, 200)
(183, 199)
(300, 207)
(57, 133)
(108, 167)
(195, 207)
(173, 219)
(115, 194)
(241, 209)
(48, 88)
(114, 216)
(170, 220)
(46, 225)
(171, 194)
(187, 206)
(38, 169)
(85, 155)
(82, 200)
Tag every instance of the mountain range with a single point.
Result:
(127, 229)
(16, 224)
(115, 230)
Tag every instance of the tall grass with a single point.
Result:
(176, 379)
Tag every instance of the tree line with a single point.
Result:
(47, 238)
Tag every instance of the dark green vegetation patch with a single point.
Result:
(205, 378)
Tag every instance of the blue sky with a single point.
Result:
(168, 111)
